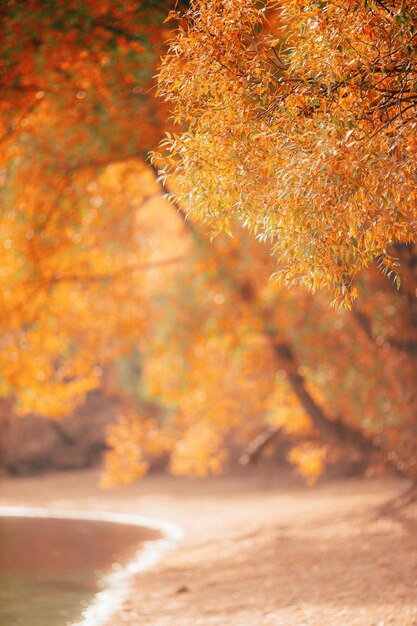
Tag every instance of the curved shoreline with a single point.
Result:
(117, 584)
(259, 550)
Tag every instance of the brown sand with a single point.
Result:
(260, 548)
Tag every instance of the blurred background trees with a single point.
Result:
(107, 286)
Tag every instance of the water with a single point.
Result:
(50, 569)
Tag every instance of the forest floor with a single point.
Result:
(261, 549)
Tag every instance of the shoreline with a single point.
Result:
(260, 548)
(117, 584)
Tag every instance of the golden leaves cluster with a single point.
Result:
(71, 270)
(300, 120)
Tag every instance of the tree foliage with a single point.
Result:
(73, 75)
(300, 121)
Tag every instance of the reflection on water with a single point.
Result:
(51, 568)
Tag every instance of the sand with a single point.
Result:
(261, 549)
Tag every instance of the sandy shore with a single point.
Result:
(260, 548)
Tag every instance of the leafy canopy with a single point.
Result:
(300, 121)
(73, 75)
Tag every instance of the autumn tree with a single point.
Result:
(283, 135)
(73, 75)
(95, 262)
(232, 354)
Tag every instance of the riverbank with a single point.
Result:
(260, 550)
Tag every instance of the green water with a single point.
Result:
(47, 600)
(50, 569)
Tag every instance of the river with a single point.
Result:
(51, 569)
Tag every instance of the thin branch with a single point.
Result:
(97, 278)
(105, 162)
(255, 448)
